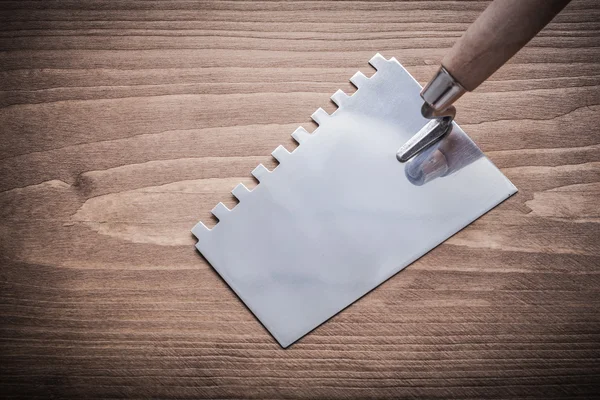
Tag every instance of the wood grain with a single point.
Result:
(123, 123)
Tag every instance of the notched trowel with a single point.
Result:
(358, 200)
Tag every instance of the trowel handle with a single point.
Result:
(500, 31)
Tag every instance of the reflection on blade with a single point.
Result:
(340, 214)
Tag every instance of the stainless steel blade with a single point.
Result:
(340, 214)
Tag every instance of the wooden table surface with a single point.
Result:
(123, 123)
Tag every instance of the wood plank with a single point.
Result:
(123, 123)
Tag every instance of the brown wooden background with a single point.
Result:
(123, 123)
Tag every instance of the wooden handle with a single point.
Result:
(499, 32)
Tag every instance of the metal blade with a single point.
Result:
(340, 214)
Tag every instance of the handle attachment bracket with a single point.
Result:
(438, 96)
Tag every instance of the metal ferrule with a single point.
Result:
(442, 90)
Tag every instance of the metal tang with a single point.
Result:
(438, 96)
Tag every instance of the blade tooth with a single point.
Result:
(200, 231)
(378, 61)
(319, 116)
(300, 135)
(240, 191)
(280, 153)
(358, 79)
(220, 211)
(339, 97)
(260, 172)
